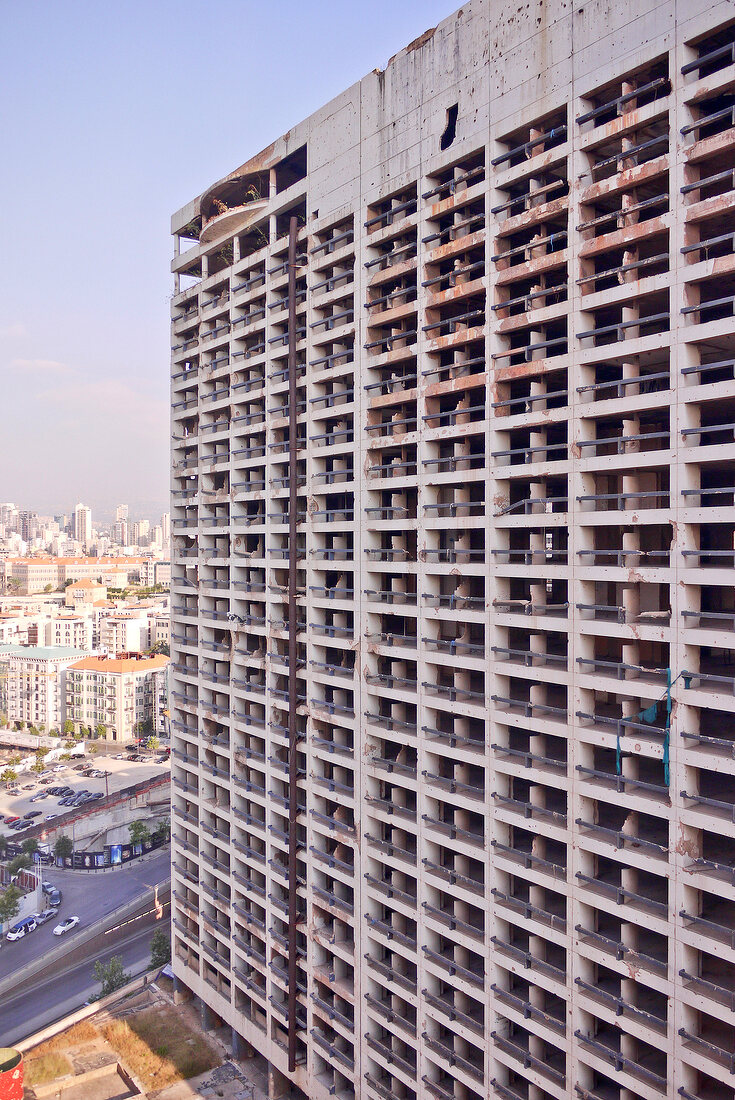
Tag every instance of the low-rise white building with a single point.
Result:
(75, 631)
(125, 631)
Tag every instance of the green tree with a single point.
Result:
(20, 863)
(101, 730)
(68, 728)
(30, 846)
(9, 775)
(153, 743)
(9, 903)
(3, 845)
(15, 759)
(160, 949)
(41, 752)
(162, 830)
(111, 975)
(63, 847)
(38, 767)
(160, 647)
(48, 588)
(3, 720)
(139, 832)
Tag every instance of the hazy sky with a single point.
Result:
(112, 116)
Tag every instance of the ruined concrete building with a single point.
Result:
(453, 397)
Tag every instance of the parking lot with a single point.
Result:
(32, 794)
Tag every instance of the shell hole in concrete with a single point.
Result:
(450, 130)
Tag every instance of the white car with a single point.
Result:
(60, 768)
(66, 925)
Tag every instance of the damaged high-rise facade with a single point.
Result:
(453, 656)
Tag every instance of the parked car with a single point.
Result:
(31, 814)
(96, 796)
(41, 918)
(22, 824)
(60, 768)
(66, 926)
(50, 817)
(55, 898)
(21, 929)
(47, 887)
(11, 820)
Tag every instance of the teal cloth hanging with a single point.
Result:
(618, 757)
(649, 714)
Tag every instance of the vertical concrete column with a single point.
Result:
(278, 1084)
(209, 1019)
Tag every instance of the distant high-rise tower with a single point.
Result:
(453, 600)
(121, 513)
(166, 527)
(83, 525)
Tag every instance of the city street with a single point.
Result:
(90, 896)
(46, 999)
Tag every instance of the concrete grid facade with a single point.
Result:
(509, 331)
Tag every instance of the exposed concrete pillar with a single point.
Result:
(278, 1084)
(241, 1048)
(182, 992)
(208, 1017)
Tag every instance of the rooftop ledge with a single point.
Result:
(232, 221)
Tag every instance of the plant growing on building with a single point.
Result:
(139, 832)
(9, 904)
(160, 949)
(63, 848)
(110, 975)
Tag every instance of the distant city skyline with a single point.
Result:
(105, 138)
(104, 513)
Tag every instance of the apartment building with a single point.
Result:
(35, 683)
(125, 631)
(453, 527)
(73, 631)
(123, 693)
